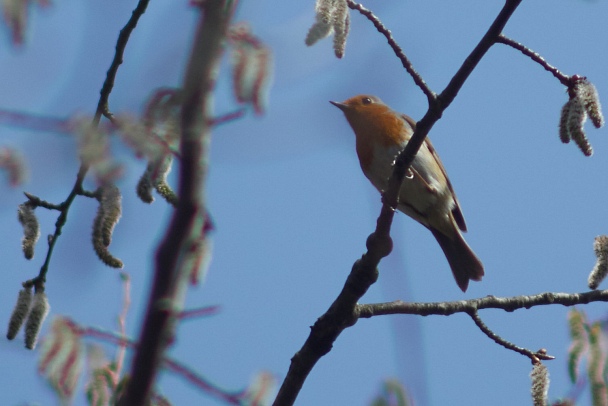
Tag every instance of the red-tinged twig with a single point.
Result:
(35, 122)
(564, 79)
(170, 364)
(198, 312)
(107, 336)
(122, 327)
(534, 356)
(234, 398)
(407, 64)
(228, 117)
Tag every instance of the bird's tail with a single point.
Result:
(463, 261)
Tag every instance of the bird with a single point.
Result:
(426, 194)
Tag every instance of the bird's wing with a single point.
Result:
(456, 211)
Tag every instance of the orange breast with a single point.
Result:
(379, 127)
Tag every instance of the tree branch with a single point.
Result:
(102, 106)
(364, 273)
(121, 45)
(534, 356)
(396, 48)
(508, 304)
(234, 397)
(170, 278)
(564, 79)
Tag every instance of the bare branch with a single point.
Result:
(564, 79)
(508, 304)
(101, 107)
(364, 273)
(228, 117)
(234, 398)
(396, 48)
(170, 364)
(169, 277)
(121, 45)
(534, 356)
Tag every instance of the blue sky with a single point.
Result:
(293, 210)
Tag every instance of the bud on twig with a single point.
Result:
(108, 214)
(341, 24)
(20, 312)
(583, 102)
(600, 270)
(331, 16)
(40, 309)
(31, 228)
(155, 177)
(540, 384)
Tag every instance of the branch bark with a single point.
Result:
(508, 304)
(342, 313)
(169, 276)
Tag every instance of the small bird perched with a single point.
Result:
(426, 193)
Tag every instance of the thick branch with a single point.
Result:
(364, 273)
(169, 279)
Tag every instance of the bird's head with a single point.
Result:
(371, 119)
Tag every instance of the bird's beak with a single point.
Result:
(341, 106)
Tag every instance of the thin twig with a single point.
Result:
(233, 398)
(564, 79)
(534, 356)
(508, 304)
(169, 363)
(38, 202)
(396, 48)
(102, 106)
(88, 193)
(121, 45)
(228, 117)
(122, 326)
(198, 312)
(35, 122)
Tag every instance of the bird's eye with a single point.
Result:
(366, 100)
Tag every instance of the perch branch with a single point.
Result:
(341, 313)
